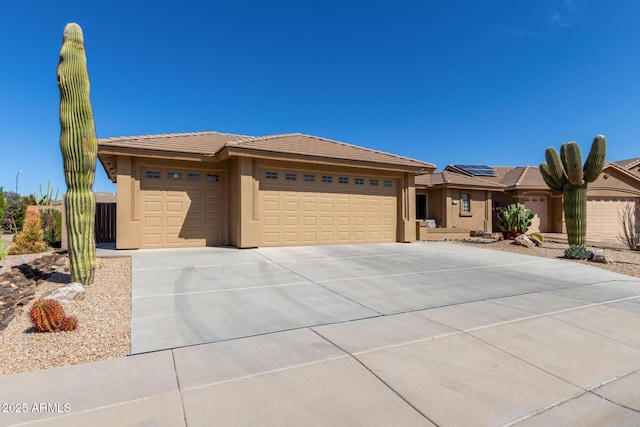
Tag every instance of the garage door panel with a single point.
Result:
(326, 212)
(291, 221)
(181, 212)
(603, 217)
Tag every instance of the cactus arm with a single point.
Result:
(548, 178)
(595, 159)
(572, 160)
(556, 169)
(79, 147)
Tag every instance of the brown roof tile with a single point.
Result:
(308, 145)
(210, 143)
(628, 162)
(456, 179)
(193, 143)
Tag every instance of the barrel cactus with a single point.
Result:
(46, 315)
(79, 148)
(564, 173)
(578, 252)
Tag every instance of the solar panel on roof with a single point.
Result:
(478, 170)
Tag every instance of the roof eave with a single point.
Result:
(230, 151)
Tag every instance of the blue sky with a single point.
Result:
(442, 81)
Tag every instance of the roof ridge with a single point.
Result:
(164, 135)
(267, 137)
(525, 169)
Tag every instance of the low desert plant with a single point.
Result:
(31, 239)
(538, 235)
(578, 252)
(3, 250)
(514, 218)
(629, 219)
(47, 315)
(14, 212)
(52, 226)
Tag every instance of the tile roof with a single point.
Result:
(452, 178)
(193, 143)
(211, 143)
(628, 163)
(308, 145)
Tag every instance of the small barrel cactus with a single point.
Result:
(578, 252)
(69, 323)
(47, 315)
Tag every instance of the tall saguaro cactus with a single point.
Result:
(79, 149)
(564, 173)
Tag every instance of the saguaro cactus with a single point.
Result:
(564, 173)
(79, 148)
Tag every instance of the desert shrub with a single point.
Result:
(629, 219)
(31, 239)
(3, 250)
(14, 212)
(514, 218)
(538, 235)
(2, 203)
(52, 226)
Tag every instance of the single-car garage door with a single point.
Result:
(538, 205)
(180, 208)
(300, 208)
(603, 216)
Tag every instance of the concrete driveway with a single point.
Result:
(386, 334)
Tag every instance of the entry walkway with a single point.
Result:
(390, 334)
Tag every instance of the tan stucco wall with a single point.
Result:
(480, 216)
(128, 188)
(435, 234)
(407, 209)
(243, 219)
(611, 183)
(242, 180)
(436, 207)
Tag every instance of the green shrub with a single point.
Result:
(52, 226)
(3, 250)
(514, 218)
(14, 211)
(31, 239)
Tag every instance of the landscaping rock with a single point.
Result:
(18, 286)
(69, 293)
(486, 235)
(525, 241)
(601, 257)
(535, 240)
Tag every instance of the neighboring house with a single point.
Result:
(214, 189)
(470, 196)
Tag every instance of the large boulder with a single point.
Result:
(524, 240)
(69, 293)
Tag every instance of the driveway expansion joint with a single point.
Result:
(387, 385)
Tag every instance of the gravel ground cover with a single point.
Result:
(104, 322)
(625, 261)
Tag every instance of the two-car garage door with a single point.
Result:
(302, 208)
